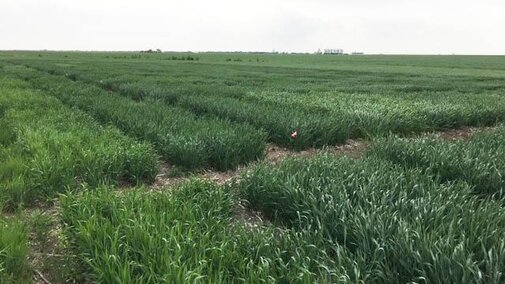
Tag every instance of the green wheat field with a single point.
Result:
(86, 139)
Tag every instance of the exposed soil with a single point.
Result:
(274, 155)
(169, 176)
(353, 148)
(252, 219)
(464, 133)
(165, 177)
(47, 257)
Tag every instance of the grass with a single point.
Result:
(49, 148)
(14, 267)
(412, 210)
(187, 235)
(357, 97)
(479, 161)
(179, 136)
(383, 223)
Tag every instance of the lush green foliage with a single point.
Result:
(14, 266)
(179, 136)
(479, 161)
(188, 235)
(385, 224)
(47, 148)
(325, 105)
(407, 212)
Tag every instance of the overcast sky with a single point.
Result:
(387, 26)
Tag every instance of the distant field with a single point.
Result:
(87, 137)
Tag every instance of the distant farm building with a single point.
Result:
(357, 53)
(334, 51)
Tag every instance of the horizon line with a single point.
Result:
(278, 52)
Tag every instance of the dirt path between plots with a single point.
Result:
(48, 256)
(464, 133)
(274, 155)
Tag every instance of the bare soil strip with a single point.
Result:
(463, 133)
(274, 155)
(48, 258)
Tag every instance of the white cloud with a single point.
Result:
(389, 26)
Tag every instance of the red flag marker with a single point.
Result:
(294, 135)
